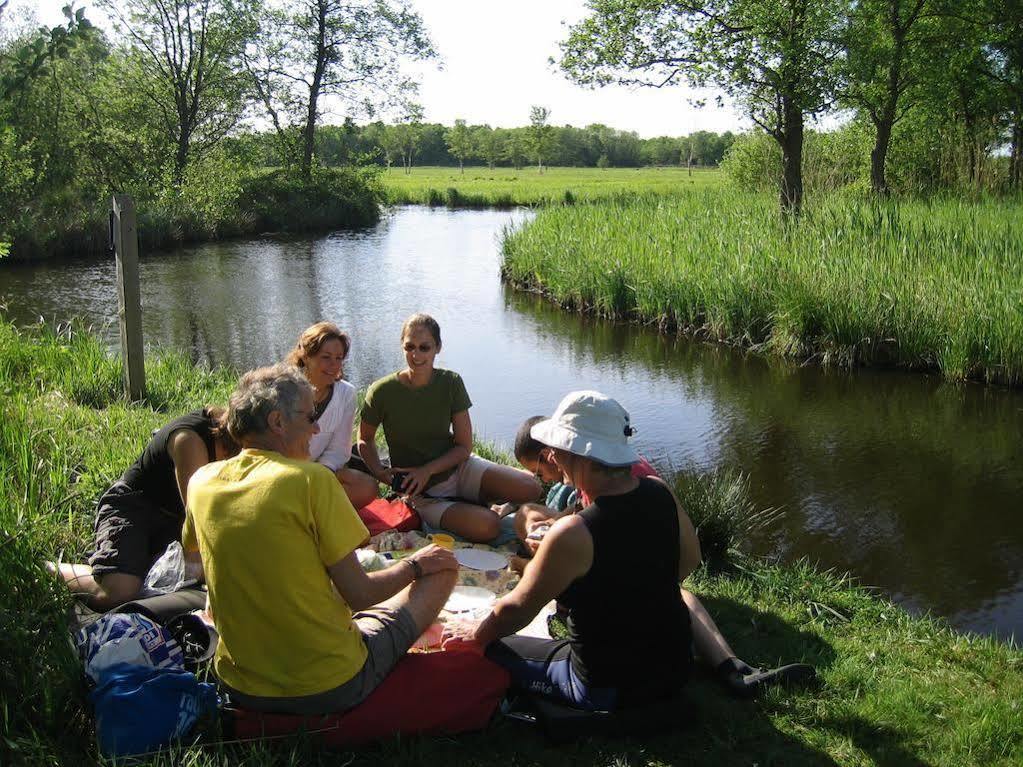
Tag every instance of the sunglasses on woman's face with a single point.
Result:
(424, 348)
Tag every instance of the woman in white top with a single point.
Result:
(320, 352)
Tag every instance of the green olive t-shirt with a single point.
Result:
(416, 422)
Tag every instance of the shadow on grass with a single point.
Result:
(713, 729)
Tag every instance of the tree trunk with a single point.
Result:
(1016, 153)
(181, 156)
(309, 130)
(878, 157)
(791, 140)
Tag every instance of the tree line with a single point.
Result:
(405, 145)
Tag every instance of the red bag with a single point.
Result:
(426, 694)
(382, 515)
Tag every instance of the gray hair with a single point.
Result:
(260, 392)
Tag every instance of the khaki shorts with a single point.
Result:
(388, 635)
(463, 485)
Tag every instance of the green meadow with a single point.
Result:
(482, 187)
(894, 689)
(922, 284)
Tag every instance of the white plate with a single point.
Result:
(469, 599)
(481, 559)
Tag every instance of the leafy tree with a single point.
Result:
(350, 50)
(1005, 26)
(776, 59)
(30, 59)
(187, 55)
(959, 96)
(540, 134)
(488, 143)
(885, 45)
(516, 147)
(408, 135)
(460, 143)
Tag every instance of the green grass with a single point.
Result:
(507, 187)
(921, 284)
(895, 690)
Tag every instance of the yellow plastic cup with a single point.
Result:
(443, 540)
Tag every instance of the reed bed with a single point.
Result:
(928, 284)
(508, 188)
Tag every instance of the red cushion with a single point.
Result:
(426, 694)
(382, 515)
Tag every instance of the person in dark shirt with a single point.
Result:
(626, 552)
(532, 520)
(143, 511)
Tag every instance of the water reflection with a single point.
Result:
(901, 479)
(909, 483)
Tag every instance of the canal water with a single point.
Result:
(910, 484)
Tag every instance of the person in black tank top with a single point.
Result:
(709, 643)
(142, 513)
(626, 553)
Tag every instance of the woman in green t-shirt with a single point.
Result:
(424, 412)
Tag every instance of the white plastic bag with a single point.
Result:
(170, 572)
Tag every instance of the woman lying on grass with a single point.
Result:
(142, 512)
(590, 561)
(424, 412)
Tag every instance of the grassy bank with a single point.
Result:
(934, 284)
(227, 201)
(506, 187)
(895, 689)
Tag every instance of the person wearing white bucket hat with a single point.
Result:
(589, 562)
(533, 520)
(588, 424)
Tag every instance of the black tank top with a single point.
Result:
(628, 625)
(153, 472)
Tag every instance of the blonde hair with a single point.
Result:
(312, 340)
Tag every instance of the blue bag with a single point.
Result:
(141, 708)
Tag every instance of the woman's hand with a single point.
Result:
(416, 479)
(460, 634)
(536, 529)
(384, 476)
(504, 509)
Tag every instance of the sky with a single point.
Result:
(494, 67)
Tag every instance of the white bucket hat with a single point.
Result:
(589, 424)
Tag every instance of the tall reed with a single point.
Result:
(932, 284)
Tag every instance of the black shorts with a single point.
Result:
(131, 532)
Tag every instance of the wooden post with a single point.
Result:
(129, 295)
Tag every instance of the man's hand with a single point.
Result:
(433, 559)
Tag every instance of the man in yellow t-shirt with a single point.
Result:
(277, 535)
